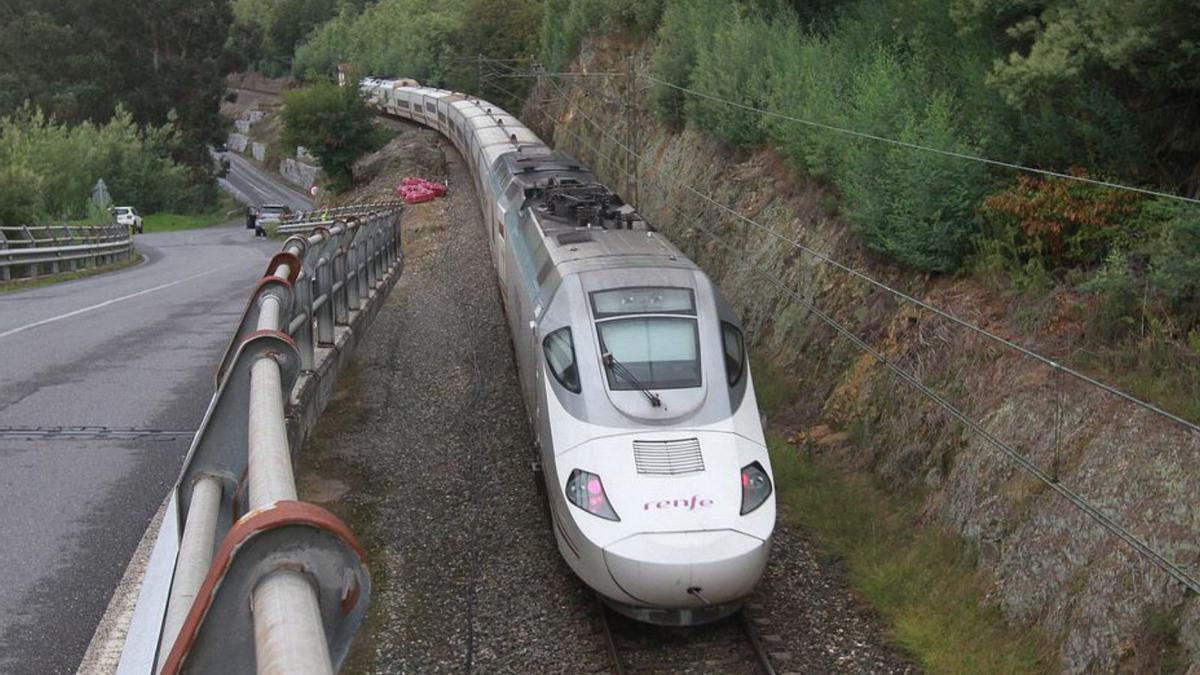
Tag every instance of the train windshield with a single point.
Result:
(651, 332)
(659, 352)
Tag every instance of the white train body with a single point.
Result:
(633, 370)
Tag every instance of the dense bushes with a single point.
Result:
(1108, 85)
(918, 208)
(410, 38)
(1056, 223)
(47, 169)
(566, 22)
(78, 60)
(334, 123)
(433, 42)
(1155, 275)
(265, 33)
(965, 77)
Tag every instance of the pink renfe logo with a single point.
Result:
(689, 504)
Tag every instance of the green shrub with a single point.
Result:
(566, 22)
(326, 47)
(403, 38)
(20, 196)
(334, 123)
(50, 168)
(1157, 276)
(807, 79)
(917, 207)
(686, 25)
(730, 66)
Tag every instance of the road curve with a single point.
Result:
(251, 185)
(134, 349)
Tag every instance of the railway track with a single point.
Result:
(730, 646)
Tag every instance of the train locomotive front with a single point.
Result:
(633, 370)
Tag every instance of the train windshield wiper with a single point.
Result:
(619, 368)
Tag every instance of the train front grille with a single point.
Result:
(668, 458)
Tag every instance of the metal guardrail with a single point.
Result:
(288, 585)
(30, 251)
(305, 220)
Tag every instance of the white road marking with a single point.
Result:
(106, 303)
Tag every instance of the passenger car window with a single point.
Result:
(735, 352)
(560, 356)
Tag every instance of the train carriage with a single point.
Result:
(633, 370)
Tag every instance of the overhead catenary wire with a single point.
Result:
(865, 135)
(1077, 500)
(917, 146)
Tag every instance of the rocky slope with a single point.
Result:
(1107, 608)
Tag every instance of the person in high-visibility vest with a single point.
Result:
(325, 214)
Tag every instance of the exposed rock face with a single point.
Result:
(237, 142)
(1053, 565)
(298, 173)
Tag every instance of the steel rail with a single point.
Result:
(760, 650)
(1080, 502)
(923, 148)
(741, 623)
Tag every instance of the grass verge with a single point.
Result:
(46, 280)
(227, 210)
(924, 582)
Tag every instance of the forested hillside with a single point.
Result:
(128, 92)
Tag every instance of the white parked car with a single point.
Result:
(129, 217)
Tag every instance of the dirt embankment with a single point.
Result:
(413, 152)
(1053, 566)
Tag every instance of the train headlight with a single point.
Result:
(756, 487)
(585, 490)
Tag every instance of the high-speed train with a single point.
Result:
(634, 373)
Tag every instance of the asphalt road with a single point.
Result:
(246, 182)
(134, 349)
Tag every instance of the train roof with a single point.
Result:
(592, 249)
(534, 171)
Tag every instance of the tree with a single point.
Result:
(334, 123)
(79, 59)
(1105, 68)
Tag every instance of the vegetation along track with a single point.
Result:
(731, 646)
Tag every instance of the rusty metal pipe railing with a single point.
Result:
(195, 552)
(288, 636)
(288, 594)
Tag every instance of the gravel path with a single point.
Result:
(428, 456)
(426, 452)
